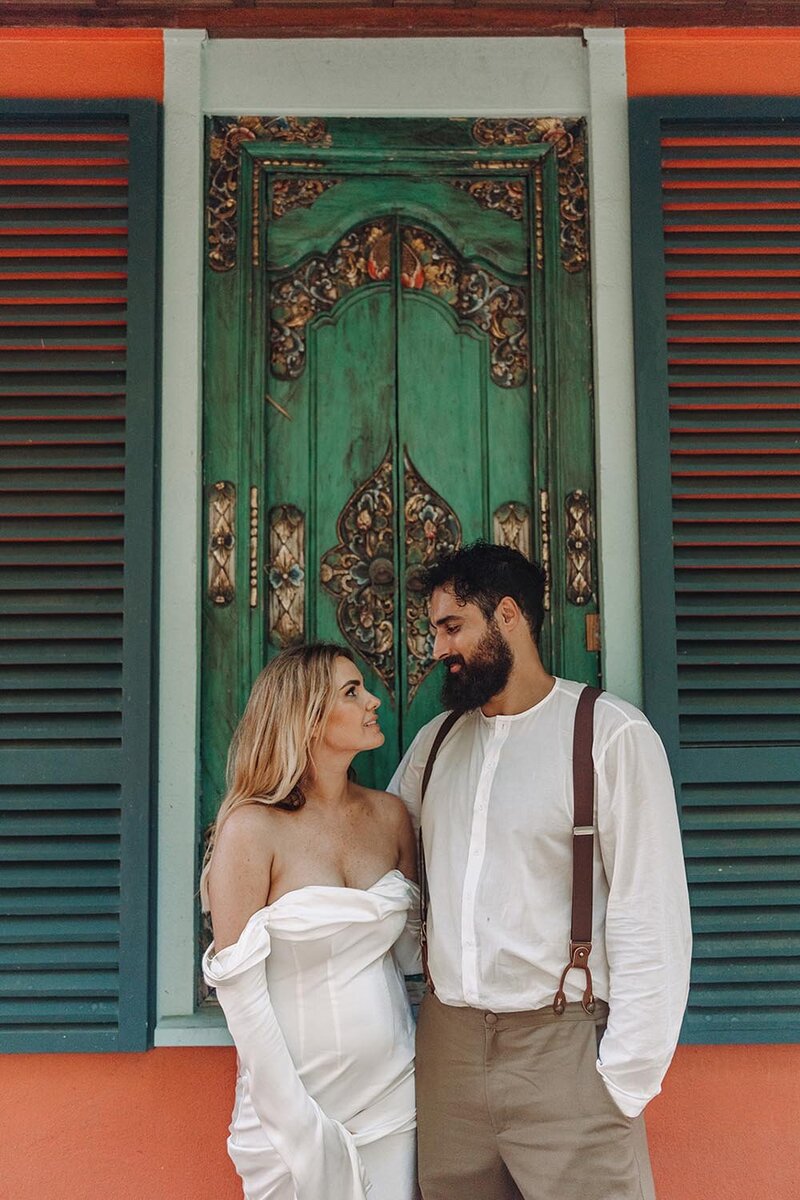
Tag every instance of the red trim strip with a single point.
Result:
(737, 316)
(730, 141)
(731, 206)
(48, 300)
(63, 275)
(69, 231)
(734, 362)
(724, 251)
(763, 228)
(727, 164)
(733, 296)
(723, 185)
(62, 162)
(67, 252)
(63, 137)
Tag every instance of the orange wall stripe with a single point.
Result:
(713, 62)
(82, 64)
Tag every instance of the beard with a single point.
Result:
(486, 673)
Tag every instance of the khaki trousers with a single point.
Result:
(510, 1107)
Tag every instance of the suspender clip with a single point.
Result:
(578, 960)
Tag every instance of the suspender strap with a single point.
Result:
(580, 945)
(441, 733)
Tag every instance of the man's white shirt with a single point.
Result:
(497, 829)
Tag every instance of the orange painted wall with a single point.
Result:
(82, 64)
(124, 1127)
(713, 62)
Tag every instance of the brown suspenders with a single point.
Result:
(580, 941)
(441, 733)
(580, 946)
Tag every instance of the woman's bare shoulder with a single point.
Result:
(387, 805)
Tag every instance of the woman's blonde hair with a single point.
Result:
(270, 751)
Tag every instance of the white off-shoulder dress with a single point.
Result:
(314, 996)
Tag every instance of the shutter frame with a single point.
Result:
(763, 999)
(128, 766)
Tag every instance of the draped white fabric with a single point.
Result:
(315, 1002)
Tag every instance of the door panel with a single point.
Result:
(391, 359)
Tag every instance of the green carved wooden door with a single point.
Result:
(382, 368)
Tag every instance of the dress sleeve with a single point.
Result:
(318, 1151)
(648, 931)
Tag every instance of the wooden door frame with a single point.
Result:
(551, 154)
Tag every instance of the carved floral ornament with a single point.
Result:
(298, 191)
(476, 295)
(228, 135)
(498, 195)
(428, 263)
(359, 571)
(568, 138)
(432, 529)
(362, 256)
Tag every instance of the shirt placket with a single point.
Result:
(476, 853)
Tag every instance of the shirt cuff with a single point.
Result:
(630, 1106)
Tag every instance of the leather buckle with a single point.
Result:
(578, 960)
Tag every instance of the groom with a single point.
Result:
(518, 1097)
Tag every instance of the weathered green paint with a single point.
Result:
(78, 784)
(719, 628)
(390, 366)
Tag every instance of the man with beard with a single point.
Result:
(531, 1085)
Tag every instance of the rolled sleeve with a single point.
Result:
(648, 928)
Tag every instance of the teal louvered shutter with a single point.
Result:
(78, 328)
(716, 240)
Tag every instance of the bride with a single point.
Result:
(308, 878)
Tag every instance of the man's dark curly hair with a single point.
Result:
(483, 574)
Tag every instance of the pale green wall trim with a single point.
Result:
(398, 77)
(180, 507)
(615, 431)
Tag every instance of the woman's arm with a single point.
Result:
(241, 871)
(407, 946)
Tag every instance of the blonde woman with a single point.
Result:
(309, 881)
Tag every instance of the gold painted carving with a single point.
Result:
(579, 547)
(228, 135)
(512, 526)
(255, 218)
(500, 195)
(568, 139)
(362, 256)
(538, 217)
(253, 547)
(432, 529)
(544, 530)
(359, 571)
(221, 543)
(298, 191)
(476, 295)
(286, 575)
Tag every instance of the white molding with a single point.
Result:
(414, 77)
(179, 643)
(615, 415)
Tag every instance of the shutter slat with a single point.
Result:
(77, 385)
(718, 396)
